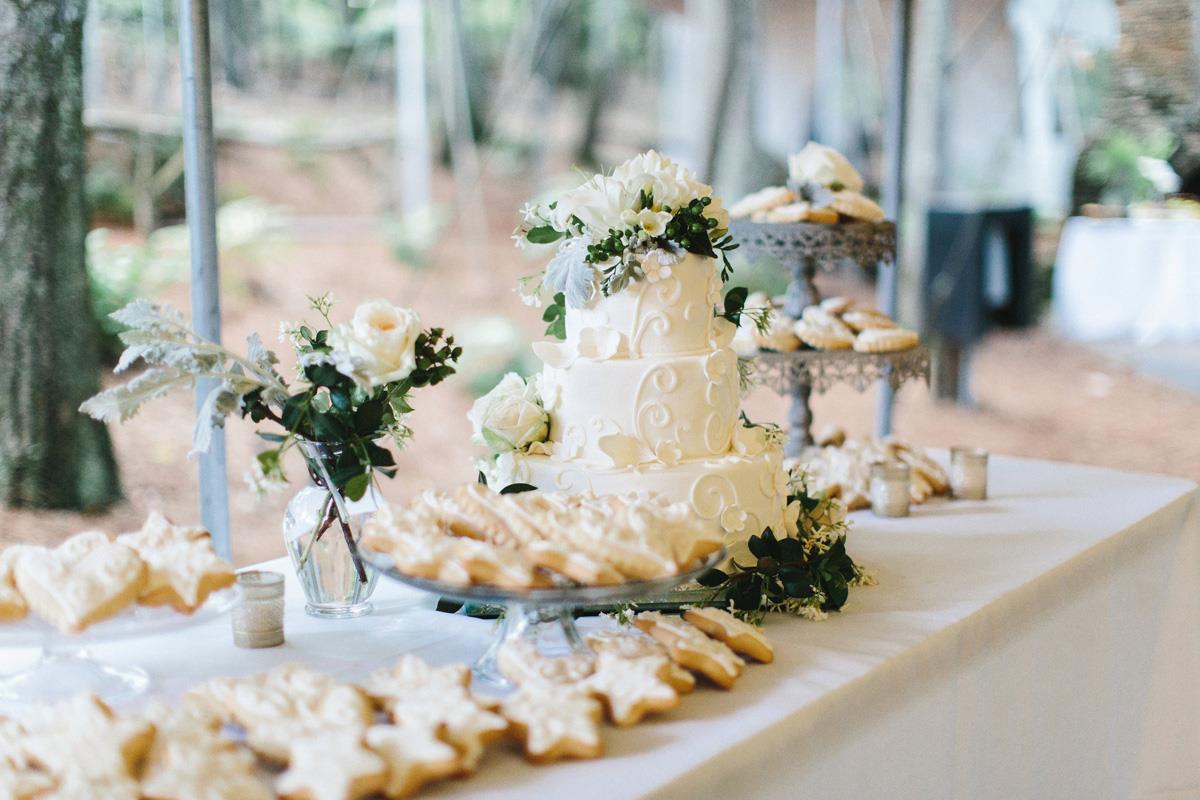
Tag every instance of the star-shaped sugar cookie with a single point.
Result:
(332, 766)
(554, 721)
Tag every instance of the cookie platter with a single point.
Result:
(543, 612)
(133, 622)
(93, 589)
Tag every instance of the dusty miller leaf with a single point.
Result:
(122, 402)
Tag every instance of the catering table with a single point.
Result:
(1042, 644)
(1128, 278)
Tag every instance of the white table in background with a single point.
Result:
(1128, 278)
(1042, 644)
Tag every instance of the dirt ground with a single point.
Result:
(1036, 394)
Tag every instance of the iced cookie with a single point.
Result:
(691, 648)
(84, 580)
(631, 688)
(885, 340)
(413, 755)
(182, 569)
(332, 766)
(632, 643)
(554, 722)
(741, 637)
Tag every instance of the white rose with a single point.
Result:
(378, 345)
(598, 204)
(650, 162)
(509, 417)
(823, 166)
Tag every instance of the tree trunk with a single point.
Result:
(51, 456)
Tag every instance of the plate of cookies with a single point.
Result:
(541, 556)
(94, 587)
(836, 324)
(473, 544)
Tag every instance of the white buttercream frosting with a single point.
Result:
(643, 394)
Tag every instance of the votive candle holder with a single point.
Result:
(968, 473)
(890, 492)
(258, 616)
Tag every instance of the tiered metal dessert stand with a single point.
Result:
(806, 248)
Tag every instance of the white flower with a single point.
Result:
(260, 483)
(509, 417)
(290, 332)
(651, 163)
(598, 204)
(825, 167)
(653, 222)
(378, 345)
(749, 440)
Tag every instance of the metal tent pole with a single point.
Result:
(893, 183)
(200, 192)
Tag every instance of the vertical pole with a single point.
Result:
(200, 192)
(893, 184)
(412, 151)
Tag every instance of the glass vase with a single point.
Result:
(321, 529)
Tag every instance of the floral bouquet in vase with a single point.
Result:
(353, 390)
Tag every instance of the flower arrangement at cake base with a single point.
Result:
(355, 383)
(805, 570)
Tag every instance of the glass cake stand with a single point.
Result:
(65, 667)
(544, 615)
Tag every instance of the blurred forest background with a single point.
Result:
(383, 149)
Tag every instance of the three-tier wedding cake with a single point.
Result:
(641, 392)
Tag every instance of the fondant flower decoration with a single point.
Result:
(621, 449)
(599, 343)
(734, 519)
(668, 453)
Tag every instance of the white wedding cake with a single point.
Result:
(642, 393)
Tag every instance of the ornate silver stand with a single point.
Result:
(805, 248)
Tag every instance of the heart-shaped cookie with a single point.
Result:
(79, 583)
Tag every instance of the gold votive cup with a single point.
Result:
(890, 492)
(258, 615)
(968, 473)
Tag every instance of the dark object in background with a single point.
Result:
(978, 273)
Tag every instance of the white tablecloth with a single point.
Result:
(1122, 278)
(1042, 644)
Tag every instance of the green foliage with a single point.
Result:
(808, 574)
(330, 408)
(556, 317)
(1113, 164)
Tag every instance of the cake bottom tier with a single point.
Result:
(742, 494)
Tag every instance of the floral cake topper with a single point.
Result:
(606, 227)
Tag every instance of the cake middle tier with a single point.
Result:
(620, 412)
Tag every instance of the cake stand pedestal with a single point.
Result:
(806, 248)
(546, 615)
(65, 666)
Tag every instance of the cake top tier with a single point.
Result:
(616, 231)
(672, 312)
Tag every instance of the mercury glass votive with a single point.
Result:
(968, 473)
(890, 494)
(258, 616)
